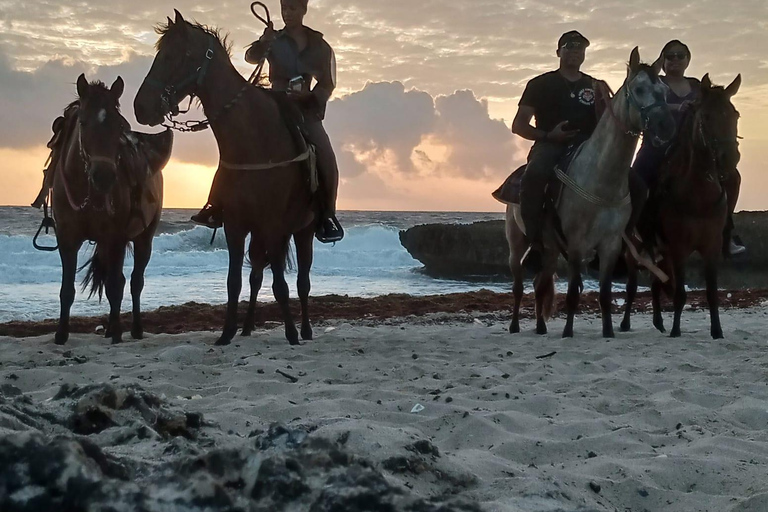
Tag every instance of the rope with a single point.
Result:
(588, 196)
(263, 167)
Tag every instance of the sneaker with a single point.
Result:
(209, 216)
(735, 248)
(533, 259)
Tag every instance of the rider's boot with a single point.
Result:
(210, 216)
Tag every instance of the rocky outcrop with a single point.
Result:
(480, 249)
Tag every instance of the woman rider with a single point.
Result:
(296, 55)
(683, 91)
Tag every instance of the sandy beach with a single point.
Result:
(448, 408)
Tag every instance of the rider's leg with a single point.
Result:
(540, 169)
(328, 171)
(732, 186)
(211, 214)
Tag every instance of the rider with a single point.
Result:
(683, 91)
(563, 103)
(297, 54)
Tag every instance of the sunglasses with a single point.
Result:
(676, 56)
(573, 45)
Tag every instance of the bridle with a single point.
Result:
(711, 146)
(632, 102)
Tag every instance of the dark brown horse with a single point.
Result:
(107, 188)
(690, 205)
(265, 191)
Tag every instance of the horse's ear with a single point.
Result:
(706, 83)
(179, 17)
(82, 86)
(658, 65)
(117, 88)
(732, 89)
(170, 22)
(634, 60)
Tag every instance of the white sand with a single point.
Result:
(659, 424)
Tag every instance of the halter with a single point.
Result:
(632, 103)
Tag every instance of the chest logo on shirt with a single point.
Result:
(587, 97)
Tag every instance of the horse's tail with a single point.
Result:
(96, 275)
(546, 289)
(98, 268)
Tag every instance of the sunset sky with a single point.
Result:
(426, 89)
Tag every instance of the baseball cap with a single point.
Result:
(572, 36)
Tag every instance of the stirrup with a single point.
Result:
(335, 236)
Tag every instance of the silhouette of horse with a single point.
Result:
(690, 205)
(107, 188)
(264, 182)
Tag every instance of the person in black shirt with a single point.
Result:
(563, 103)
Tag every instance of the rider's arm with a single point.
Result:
(326, 79)
(522, 124)
(258, 49)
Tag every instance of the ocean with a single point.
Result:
(370, 261)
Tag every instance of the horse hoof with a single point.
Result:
(117, 339)
(246, 332)
(137, 334)
(541, 331)
(609, 334)
(514, 328)
(61, 338)
(717, 334)
(675, 333)
(625, 327)
(223, 341)
(660, 327)
(306, 333)
(568, 333)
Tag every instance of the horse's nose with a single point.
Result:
(103, 176)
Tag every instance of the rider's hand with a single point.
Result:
(560, 134)
(269, 33)
(299, 96)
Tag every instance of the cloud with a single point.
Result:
(411, 133)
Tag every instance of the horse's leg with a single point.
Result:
(575, 286)
(280, 289)
(258, 259)
(517, 246)
(142, 251)
(680, 293)
(710, 275)
(658, 320)
(304, 255)
(236, 250)
(626, 323)
(68, 255)
(115, 287)
(608, 252)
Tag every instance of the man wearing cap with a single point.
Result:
(563, 103)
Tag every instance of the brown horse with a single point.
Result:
(265, 189)
(691, 202)
(107, 188)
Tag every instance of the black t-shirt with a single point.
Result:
(555, 99)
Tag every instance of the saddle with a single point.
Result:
(294, 121)
(509, 191)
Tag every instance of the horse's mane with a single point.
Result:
(163, 29)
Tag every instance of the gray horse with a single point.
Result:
(594, 206)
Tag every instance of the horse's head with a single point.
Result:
(646, 97)
(716, 124)
(100, 126)
(184, 53)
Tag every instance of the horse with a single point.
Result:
(264, 184)
(594, 206)
(692, 203)
(102, 169)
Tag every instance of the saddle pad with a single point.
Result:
(509, 191)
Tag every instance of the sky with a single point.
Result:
(426, 90)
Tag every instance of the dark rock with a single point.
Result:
(480, 249)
